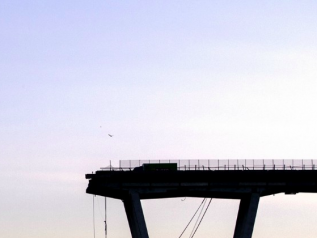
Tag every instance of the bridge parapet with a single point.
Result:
(304, 164)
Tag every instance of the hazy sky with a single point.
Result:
(170, 80)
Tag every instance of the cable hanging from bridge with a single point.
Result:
(201, 219)
(106, 229)
(192, 217)
(93, 214)
(198, 218)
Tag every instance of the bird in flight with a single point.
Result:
(110, 135)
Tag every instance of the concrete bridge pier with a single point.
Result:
(133, 209)
(246, 216)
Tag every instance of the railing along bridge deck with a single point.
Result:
(247, 164)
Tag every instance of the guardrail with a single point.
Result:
(184, 165)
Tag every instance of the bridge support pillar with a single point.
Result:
(133, 209)
(246, 216)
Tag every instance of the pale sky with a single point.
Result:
(170, 80)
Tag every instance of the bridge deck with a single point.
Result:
(233, 184)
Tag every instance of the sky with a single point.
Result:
(170, 80)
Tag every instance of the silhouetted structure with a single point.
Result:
(231, 182)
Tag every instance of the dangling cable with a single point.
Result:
(198, 218)
(93, 214)
(105, 217)
(201, 218)
(192, 218)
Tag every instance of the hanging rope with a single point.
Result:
(201, 218)
(198, 218)
(192, 218)
(105, 217)
(93, 214)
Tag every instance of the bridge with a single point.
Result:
(246, 180)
